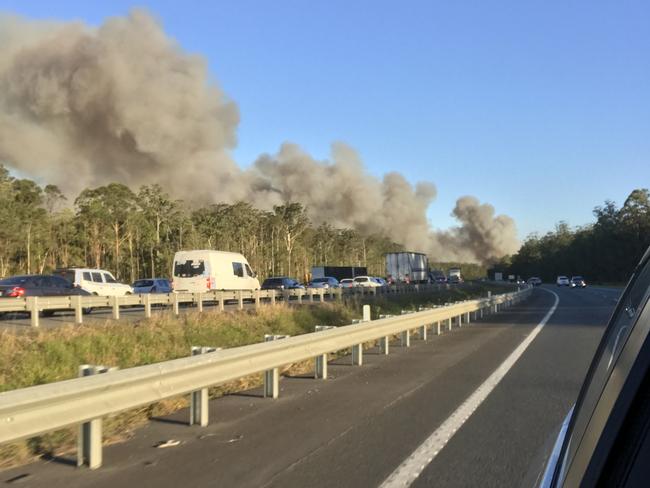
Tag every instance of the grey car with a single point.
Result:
(152, 285)
(326, 282)
(605, 438)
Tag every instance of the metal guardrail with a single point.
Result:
(36, 305)
(39, 409)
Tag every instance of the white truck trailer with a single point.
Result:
(407, 266)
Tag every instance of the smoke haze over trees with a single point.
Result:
(84, 107)
(605, 251)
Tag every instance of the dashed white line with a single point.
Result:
(412, 467)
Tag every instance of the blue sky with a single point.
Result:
(540, 108)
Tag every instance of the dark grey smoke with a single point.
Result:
(83, 106)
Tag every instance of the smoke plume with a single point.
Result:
(82, 106)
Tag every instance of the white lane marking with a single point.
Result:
(412, 467)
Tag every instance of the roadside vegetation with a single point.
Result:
(136, 233)
(604, 252)
(45, 356)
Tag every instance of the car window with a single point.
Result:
(108, 278)
(67, 274)
(360, 280)
(97, 277)
(238, 269)
(163, 283)
(59, 282)
(86, 276)
(189, 268)
(141, 283)
(618, 330)
(16, 280)
(249, 271)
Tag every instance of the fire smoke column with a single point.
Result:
(82, 106)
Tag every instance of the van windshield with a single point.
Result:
(189, 268)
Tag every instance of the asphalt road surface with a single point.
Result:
(358, 427)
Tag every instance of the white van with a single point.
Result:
(95, 281)
(201, 271)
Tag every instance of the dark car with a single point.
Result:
(153, 285)
(605, 438)
(326, 282)
(281, 283)
(577, 282)
(39, 286)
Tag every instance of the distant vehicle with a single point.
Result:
(578, 282)
(95, 281)
(535, 281)
(562, 281)
(366, 282)
(325, 282)
(411, 267)
(281, 283)
(605, 437)
(454, 275)
(440, 279)
(347, 283)
(40, 286)
(201, 271)
(338, 272)
(153, 285)
(380, 281)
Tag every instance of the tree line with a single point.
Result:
(135, 234)
(606, 250)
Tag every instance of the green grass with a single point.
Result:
(46, 356)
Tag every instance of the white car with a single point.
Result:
(366, 282)
(347, 283)
(562, 281)
(95, 281)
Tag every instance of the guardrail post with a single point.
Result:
(272, 376)
(339, 293)
(467, 317)
(78, 309)
(199, 302)
(272, 297)
(176, 304)
(449, 324)
(257, 298)
(384, 344)
(321, 295)
(240, 299)
(89, 440)
(423, 332)
(199, 409)
(300, 293)
(310, 293)
(438, 328)
(405, 338)
(32, 306)
(286, 296)
(222, 305)
(146, 298)
(116, 307)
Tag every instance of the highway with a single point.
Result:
(359, 426)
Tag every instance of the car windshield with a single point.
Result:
(320, 280)
(189, 268)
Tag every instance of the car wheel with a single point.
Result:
(46, 313)
(86, 311)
